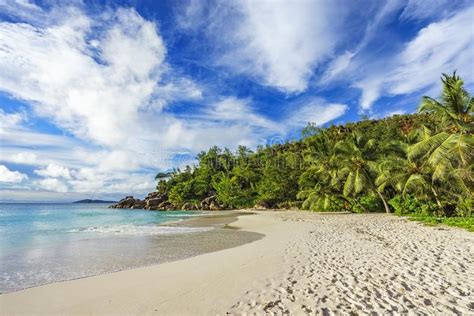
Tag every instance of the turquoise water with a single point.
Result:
(42, 243)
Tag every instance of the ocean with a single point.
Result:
(44, 243)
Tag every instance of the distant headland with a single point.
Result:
(93, 201)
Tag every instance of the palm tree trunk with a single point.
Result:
(436, 198)
(387, 208)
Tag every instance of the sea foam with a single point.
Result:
(143, 230)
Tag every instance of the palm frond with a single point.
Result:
(359, 182)
(427, 145)
(349, 184)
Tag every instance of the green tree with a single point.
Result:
(357, 159)
(449, 151)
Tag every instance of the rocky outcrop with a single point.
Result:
(206, 203)
(139, 204)
(262, 205)
(128, 202)
(159, 202)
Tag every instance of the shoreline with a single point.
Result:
(62, 297)
(156, 249)
(305, 263)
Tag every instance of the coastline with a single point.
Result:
(117, 248)
(305, 263)
(147, 289)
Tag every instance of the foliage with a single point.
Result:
(368, 203)
(411, 164)
(461, 222)
(410, 205)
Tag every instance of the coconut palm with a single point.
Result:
(453, 147)
(456, 107)
(357, 159)
(318, 183)
(407, 177)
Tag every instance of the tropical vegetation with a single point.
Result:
(418, 164)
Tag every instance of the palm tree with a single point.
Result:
(318, 186)
(407, 177)
(456, 107)
(449, 152)
(455, 144)
(357, 161)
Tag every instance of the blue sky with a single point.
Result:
(96, 97)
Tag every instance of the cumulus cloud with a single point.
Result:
(92, 180)
(52, 184)
(8, 176)
(93, 75)
(54, 171)
(9, 120)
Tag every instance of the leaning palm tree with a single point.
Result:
(358, 165)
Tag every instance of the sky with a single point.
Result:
(97, 97)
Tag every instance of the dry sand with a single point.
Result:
(306, 264)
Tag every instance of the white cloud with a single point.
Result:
(418, 10)
(40, 195)
(93, 180)
(316, 111)
(52, 184)
(371, 88)
(23, 9)
(54, 171)
(9, 120)
(432, 52)
(26, 158)
(93, 75)
(14, 131)
(85, 73)
(337, 66)
(89, 180)
(418, 66)
(234, 110)
(395, 112)
(279, 43)
(6, 175)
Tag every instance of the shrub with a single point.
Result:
(465, 208)
(410, 205)
(368, 203)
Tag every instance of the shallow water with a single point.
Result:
(43, 243)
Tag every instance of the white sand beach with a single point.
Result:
(307, 263)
